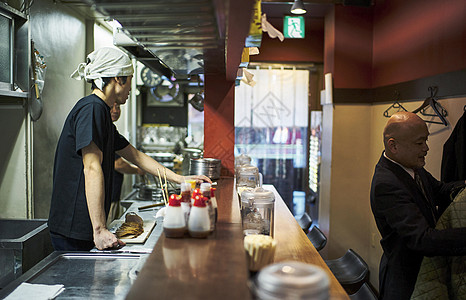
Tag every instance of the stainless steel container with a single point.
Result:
(292, 280)
(188, 154)
(206, 166)
(23, 243)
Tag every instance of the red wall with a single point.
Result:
(309, 49)
(219, 121)
(417, 38)
(353, 47)
(394, 41)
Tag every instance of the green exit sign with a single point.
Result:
(293, 27)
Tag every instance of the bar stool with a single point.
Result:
(364, 293)
(305, 222)
(317, 238)
(350, 270)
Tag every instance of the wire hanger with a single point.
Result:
(438, 109)
(396, 105)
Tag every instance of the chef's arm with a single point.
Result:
(123, 167)
(95, 197)
(153, 167)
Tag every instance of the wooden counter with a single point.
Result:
(215, 268)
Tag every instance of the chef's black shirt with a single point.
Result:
(117, 183)
(89, 120)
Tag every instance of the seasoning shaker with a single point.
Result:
(174, 222)
(186, 199)
(205, 190)
(199, 219)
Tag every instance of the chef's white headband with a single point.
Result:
(104, 62)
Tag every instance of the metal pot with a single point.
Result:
(188, 154)
(150, 192)
(206, 166)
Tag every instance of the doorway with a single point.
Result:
(271, 126)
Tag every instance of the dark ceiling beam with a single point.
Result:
(239, 21)
(234, 21)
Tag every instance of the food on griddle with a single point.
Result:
(131, 228)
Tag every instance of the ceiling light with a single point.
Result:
(298, 7)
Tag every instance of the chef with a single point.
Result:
(84, 158)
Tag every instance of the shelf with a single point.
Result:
(7, 93)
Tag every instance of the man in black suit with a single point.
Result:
(406, 201)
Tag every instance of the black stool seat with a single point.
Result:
(305, 222)
(364, 293)
(350, 270)
(317, 238)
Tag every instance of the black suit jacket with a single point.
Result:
(454, 153)
(407, 225)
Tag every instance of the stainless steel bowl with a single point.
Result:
(206, 166)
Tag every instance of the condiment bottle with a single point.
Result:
(186, 199)
(213, 199)
(174, 223)
(199, 220)
(205, 190)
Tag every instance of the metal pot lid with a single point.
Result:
(191, 150)
(293, 278)
(205, 160)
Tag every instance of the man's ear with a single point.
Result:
(392, 145)
(118, 80)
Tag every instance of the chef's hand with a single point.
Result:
(199, 178)
(104, 239)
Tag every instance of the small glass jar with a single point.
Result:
(257, 211)
(240, 160)
(247, 177)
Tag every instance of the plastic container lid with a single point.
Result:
(292, 280)
(248, 169)
(259, 194)
(242, 159)
(199, 201)
(174, 200)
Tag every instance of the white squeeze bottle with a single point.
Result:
(199, 220)
(174, 223)
(205, 190)
(213, 199)
(186, 199)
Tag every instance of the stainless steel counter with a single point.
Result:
(85, 275)
(107, 274)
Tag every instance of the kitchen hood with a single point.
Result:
(169, 36)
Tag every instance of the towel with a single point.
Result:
(35, 291)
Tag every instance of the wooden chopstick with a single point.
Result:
(166, 186)
(150, 206)
(161, 185)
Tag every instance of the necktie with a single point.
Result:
(418, 180)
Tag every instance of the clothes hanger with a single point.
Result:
(438, 109)
(396, 105)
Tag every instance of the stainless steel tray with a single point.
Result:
(85, 275)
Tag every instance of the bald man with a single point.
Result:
(407, 201)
